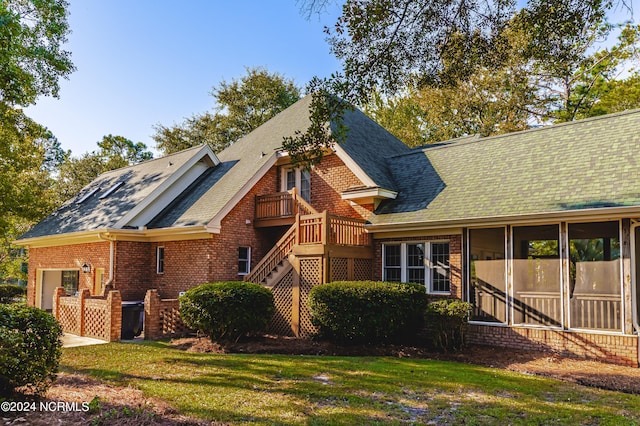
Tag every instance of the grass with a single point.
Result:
(278, 389)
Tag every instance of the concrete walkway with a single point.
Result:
(71, 341)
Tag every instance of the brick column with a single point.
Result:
(57, 294)
(152, 315)
(114, 315)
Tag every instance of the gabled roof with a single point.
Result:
(248, 159)
(574, 167)
(141, 185)
(181, 191)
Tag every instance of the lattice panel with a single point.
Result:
(362, 269)
(310, 276)
(171, 323)
(69, 317)
(95, 319)
(283, 299)
(339, 269)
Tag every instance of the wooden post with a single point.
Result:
(295, 296)
(324, 227)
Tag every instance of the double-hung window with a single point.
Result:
(418, 262)
(159, 260)
(297, 178)
(244, 260)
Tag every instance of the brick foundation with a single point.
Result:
(615, 349)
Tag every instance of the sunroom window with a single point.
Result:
(536, 275)
(487, 270)
(594, 276)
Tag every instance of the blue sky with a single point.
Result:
(145, 62)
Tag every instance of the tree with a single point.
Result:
(391, 45)
(31, 58)
(487, 102)
(28, 153)
(241, 106)
(575, 95)
(113, 152)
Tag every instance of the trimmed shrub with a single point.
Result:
(368, 311)
(10, 293)
(226, 311)
(446, 321)
(29, 349)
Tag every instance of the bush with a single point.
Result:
(225, 311)
(368, 311)
(10, 293)
(446, 322)
(29, 349)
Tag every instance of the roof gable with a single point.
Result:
(138, 186)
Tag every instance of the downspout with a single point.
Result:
(112, 251)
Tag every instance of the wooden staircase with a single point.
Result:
(317, 248)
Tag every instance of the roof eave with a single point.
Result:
(593, 214)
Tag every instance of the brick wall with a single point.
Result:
(68, 257)
(328, 179)
(133, 264)
(616, 349)
(193, 262)
(455, 257)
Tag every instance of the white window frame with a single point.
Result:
(160, 253)
(298, 184)
(428, 273)
(247, 259)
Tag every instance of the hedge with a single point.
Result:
(226, 311)
(368, 311)
(30, 349)
(11, 293)
(446, 322)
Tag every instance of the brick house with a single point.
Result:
(537, 229)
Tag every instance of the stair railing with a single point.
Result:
(277, 253)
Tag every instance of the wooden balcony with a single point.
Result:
(280, 209)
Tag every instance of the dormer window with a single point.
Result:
(88, 195)
(111, 190)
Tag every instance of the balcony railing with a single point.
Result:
(281, 205)
(323, 228)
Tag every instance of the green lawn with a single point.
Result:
(275, 389)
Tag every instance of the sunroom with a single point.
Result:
(566, 275)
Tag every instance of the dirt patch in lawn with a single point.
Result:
(581, 371)
(122, 406)
(128, 406)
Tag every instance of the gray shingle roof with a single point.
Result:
(593, 163)
(367, 144)
(94, 213)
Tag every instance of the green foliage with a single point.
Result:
(28, 154)
(432, 71)
(113, 153)
(241, 106)
(32, 61)
(10, 293)
(226, 311)
(367, 311)
(446, 321)
(30, 349)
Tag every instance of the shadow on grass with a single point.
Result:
(347, 390)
